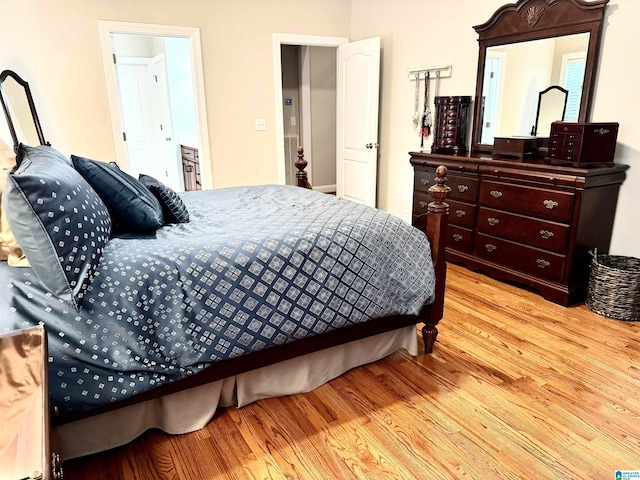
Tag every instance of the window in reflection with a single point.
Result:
(572, 75)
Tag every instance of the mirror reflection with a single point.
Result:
(552, 103)
(20, 111)
(516, 73)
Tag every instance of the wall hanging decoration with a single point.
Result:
(423, 124)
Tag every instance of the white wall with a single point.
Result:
(323, 114)
(54, 44)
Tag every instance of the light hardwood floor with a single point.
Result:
(516, 388)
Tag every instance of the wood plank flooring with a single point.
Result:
(517, 387)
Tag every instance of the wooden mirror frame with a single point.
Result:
(534, 20)
(5, 106)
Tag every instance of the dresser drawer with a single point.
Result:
(188, 153)
(460, 239)
(423, 179)
(538, 233)
(540, 202)
(462, 214)
(533, 261)
(420, 202)
(463, 188)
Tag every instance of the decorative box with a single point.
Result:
(582, 144)
(514, 148)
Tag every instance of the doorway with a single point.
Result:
(357, 78)
(156, 98)
(309, 112)
(293, 97)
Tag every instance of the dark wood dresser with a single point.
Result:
(527, 222)
(190, 168)
(25, 450)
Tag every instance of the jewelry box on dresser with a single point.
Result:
(451, 122)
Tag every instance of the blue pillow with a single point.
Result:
(59, 221)
(41, 151)
(132, 206)
(173, 208)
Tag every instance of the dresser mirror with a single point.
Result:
(19, 110)
(525, 48)
(552, 107)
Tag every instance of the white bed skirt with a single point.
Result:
(192, 409)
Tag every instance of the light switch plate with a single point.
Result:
(261, 124)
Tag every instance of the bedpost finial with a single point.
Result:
(439, 192)
(301, 176)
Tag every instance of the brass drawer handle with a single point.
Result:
(546, 234)
(550, 204)
(457, 237)
(463, 188)
(495, 193)
(542, 263)
(460, 213)
(423, 204)
(424, 181)
(490, 247)
(493, 221)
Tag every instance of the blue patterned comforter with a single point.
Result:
(255, 267)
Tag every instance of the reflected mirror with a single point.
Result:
(19, 110)
(552, 106)
(525, 48)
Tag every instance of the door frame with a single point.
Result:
(106, 28)
(305, 41)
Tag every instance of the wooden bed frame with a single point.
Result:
(435, 226)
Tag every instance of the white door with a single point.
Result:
(357, 120)
(169, 164)
(137, 116)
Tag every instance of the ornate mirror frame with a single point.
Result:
(6, 74)
(534, 20)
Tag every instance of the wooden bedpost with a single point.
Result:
(436, 229)
(301, 176)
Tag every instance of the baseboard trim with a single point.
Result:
(325, 188)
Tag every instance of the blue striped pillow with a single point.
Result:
(173, 208)
(133, 208)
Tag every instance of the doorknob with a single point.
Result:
(372, 145)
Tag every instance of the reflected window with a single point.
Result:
(572, 75)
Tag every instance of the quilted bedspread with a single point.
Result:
(255, 267)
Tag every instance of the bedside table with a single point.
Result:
(24, 407)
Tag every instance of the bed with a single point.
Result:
(246, 293)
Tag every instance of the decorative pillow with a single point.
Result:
(173, 208)
(60, 222)
(132, 206)
(44, 152)
(9, 248)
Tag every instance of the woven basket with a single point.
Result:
(614, 287)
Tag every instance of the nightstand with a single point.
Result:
(25, 451)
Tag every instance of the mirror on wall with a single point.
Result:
(526, 48)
